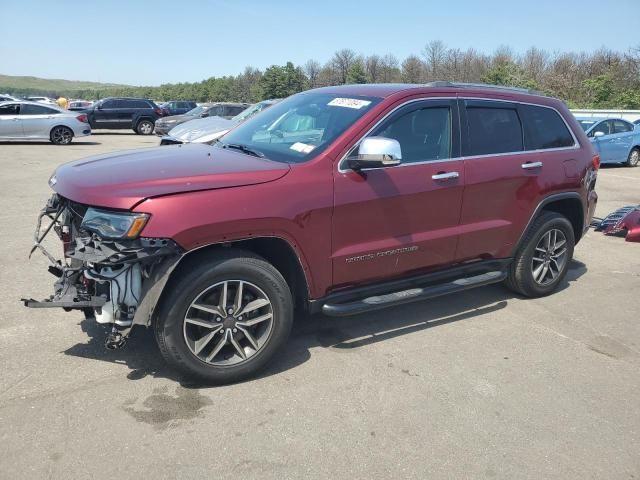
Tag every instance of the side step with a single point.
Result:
(377, 302)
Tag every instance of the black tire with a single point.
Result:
(521, 272)
(634, 158)
(226, 265)
(61, 135)
(144, 127)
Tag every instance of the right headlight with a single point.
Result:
(114, 224)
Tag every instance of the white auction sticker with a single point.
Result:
(302, 147)
(349, 103)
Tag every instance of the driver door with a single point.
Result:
(604, 144)
(391, 221)
(10, 125)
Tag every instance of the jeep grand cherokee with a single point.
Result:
(341, 200)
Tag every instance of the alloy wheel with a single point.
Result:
(61, 136)
(146, 128)
(549, 257)
(228, 323)
(634, 158)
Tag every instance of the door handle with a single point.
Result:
(445, 175)
(530, 165)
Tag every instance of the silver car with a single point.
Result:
(22, 120)
(206, 130)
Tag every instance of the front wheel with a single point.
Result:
(634, 158)
(543, 258)
(223, 320)
(145, 127)
(61, 135)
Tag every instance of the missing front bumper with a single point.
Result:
(120, 281)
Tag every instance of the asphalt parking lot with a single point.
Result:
(483, 385)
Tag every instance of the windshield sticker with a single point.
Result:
(349, 103)
(302, 147)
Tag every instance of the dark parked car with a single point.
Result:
(218, 109)
(178, 107)
(341, 200)
(138, 114)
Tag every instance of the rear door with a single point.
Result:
(514, 155)
(10, 126)
(622, 139)
(106, 114)
(392, 221)
(37, 120)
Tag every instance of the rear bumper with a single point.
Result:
(82, 130)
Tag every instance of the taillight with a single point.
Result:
(82, 118)
(595, 161)
(159, 112)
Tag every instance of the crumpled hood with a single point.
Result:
(176, 118)
(123, 179)
(199, 127)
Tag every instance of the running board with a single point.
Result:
(377, 302)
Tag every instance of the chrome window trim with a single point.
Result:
(575, 146)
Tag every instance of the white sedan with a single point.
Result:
(24, 120)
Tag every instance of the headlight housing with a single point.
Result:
(114, 224)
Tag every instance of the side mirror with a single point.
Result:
(598, 134)
(376, 152)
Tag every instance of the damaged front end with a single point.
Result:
(107, 271)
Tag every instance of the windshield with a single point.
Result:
(300, 126)
(196, 111)
(249, 112)
(586, 124)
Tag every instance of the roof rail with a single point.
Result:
(441, 83)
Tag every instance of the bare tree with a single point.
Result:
(413, 70)
(342, 61)
(434, 54)
(503, 56)
(389, 71)
(534, 63)
(373, 66)
(312, 71)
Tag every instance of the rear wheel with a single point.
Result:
(223, 320)
(61, 135)
(634, 158)
(543, 258)
(144, 127)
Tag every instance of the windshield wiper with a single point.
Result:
(244, 149)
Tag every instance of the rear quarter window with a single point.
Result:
(493, 130)
(544, 129)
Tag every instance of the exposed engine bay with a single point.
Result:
(116, 281)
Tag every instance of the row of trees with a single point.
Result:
(602, 79)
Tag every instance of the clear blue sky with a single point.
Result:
(152, 42)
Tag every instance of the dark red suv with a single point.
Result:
(341, 200)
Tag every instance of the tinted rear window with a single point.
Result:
(544, 128)
(137, 104)
(28, 109)
(493, 130)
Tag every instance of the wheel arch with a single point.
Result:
(61, 125)
(568, 204)
(278, 251)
